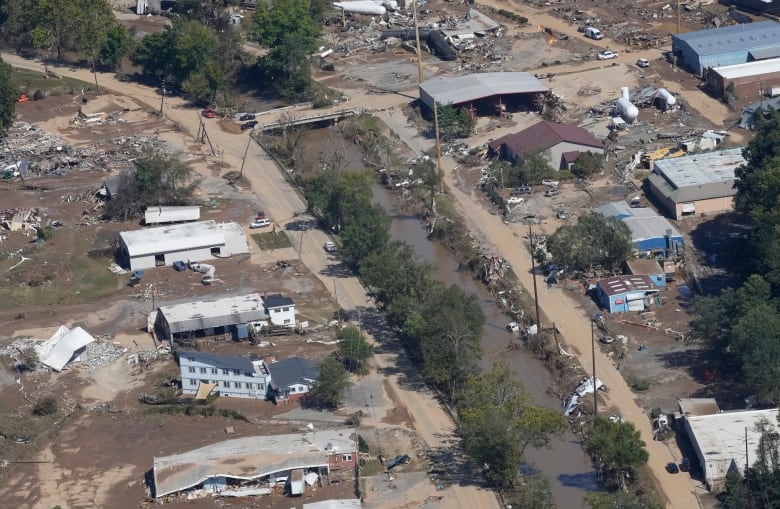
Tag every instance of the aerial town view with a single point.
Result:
(390, 254)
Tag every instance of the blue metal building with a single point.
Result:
(621, 294)
(651, 234)
(717, 47)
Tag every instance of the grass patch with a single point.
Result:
(196, 410)
(29, 81)
(269, 241)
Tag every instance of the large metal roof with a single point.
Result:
(155, 215)
(732, 38)
(460, 89)
(204, 314)
(63, 346)
(179, 237)
(698, 176)
(650, 227)
(249, 458)
(731, 72)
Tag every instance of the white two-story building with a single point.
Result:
(241, 377)
(280, 309)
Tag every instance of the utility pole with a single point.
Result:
(420, 75)
(162, 99)
(300, 249)
(438, 145)
(593, 356)
(533, 275)
(679, 16)
(94, 71)
(243, 159)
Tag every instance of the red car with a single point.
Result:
(208, 113)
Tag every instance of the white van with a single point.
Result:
(593, 33)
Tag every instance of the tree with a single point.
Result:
(594, 239)
(616, 448)
(755, 340)
(498, 421)
(620, 500)
(354, 348)
(366, 233)
(157, 179)
(587, 164)
(8, 95)
(454, 122)
(332, 382)
(46, 406)
(212, 13)
(531, 492)
(118, 44)
(536, 168)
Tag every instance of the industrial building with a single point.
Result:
(255, 465)
(647, 267)
(560, 144)
(719, 441)
(621, 294)
(753, 79)
(696, 184)
(490, 93)
(162, 215)
(718, 47)
(651, 234)
(241, 377)
(161, 246)
(230, 316)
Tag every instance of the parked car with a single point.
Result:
(552, 192)
(551, 183)
(179, 266)
(208, 113)
(607, 55)
(330, 247)
(671, 467)
(514, 200)
(643, 62)
(593, 33)
(249, 125)
(521, 190)
(246, 116)
(260, 223)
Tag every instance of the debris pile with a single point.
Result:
(101, 352)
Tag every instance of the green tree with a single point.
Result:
(498, 422)
(8, 95)
(531, 492)
(755, 340)
(536, 168)
(366, 233)
(354, 348)
(331, 385)
(620, 500)
(616, 448)
(594, 239)
(211, 13)
(157, 179)
(587, 164)
(118, 44)
(454, 122)
(46, 406)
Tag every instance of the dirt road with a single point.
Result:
(281, 200)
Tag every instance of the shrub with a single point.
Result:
(46, 406)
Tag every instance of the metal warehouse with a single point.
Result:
(161, 215)
(620, 294)
(485, 91)
(696, 184)
(204, 240)
(753, 79)
(209, 317)
(718, 47)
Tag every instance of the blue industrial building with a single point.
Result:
(621, 294)
(651, 234)
(735, 44)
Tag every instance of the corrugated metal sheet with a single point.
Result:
(731, 72)
(168, 239)
(199, 315)
(732, 38)
(62, 346)
(156, 215)
(472, 87)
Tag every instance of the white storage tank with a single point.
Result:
(667, 98)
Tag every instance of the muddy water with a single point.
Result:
(565, 464)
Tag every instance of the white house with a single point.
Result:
(204, 240)
(234, 376)
(280, 309)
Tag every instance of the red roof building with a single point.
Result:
(561, 144)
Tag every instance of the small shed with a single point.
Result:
(171, 214)
(296, 482)
(620, 294)
(647, 267)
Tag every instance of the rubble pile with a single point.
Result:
(101, 352)
(49, 154)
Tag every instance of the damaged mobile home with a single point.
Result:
(257, 465)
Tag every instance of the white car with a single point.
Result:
(330, 247)
(606, 55)
(643, 62)
(514, 200)
(260, 223)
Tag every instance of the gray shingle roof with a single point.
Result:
(276, 300)
(293, 370)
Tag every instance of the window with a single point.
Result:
(191, 369)
(237, 372)
(292, 389)
(237, 385)
(214, 371)
(225, 384)
(225, 371)
(261, 386)
(248, 385)
(202, 370)
(286, 309)
(346, 457)
(193, 381)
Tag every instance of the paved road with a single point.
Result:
(284, 205)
